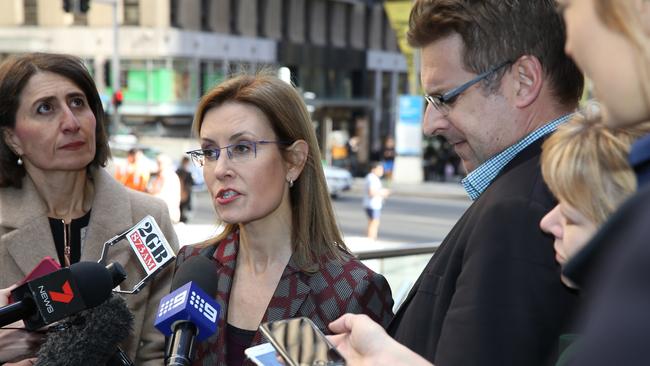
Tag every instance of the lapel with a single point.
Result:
(288, 297)
(111, 214)
(530, 152)
(24, 214)
(28, 237)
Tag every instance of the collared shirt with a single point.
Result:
(477, 181)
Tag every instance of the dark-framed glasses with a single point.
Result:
(239, 152)
(442, 102)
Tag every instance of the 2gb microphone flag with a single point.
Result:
(149, 244)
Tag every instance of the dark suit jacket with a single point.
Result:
(640, 159)
(491, 294)
(338, 288)
(614, 268)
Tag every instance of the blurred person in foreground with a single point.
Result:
(166, 185)
(614, 266)
(491, 294)
(55, 197)
(281, 254)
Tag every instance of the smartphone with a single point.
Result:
(300, 343)
(47, 265)
(263, 355)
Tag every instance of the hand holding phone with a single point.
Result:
(263, 355)
(300, 343)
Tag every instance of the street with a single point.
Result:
(404, 219)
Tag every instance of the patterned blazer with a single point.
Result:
(338, 288)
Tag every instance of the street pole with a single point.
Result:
(115, 63)
(115, 68)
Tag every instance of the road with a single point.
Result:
(405, 219)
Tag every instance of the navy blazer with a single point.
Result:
(491, 294)
(614, 269)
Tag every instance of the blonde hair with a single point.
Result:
(622, 16)
(585, 164)
(314, 232)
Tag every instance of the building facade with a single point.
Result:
(341, 54)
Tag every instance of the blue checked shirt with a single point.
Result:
(480, 178)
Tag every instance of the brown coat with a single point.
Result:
(25, 238)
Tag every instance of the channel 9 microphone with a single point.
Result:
(189, 311)
(59, 294)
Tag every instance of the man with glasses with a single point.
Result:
(497, 82)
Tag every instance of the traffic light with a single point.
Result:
(117, 98)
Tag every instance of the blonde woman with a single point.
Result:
(585, 165)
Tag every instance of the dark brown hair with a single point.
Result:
(15, 73)
(495, 31)
(314, 232)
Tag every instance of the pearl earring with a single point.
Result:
(290, 181)
(20, 161)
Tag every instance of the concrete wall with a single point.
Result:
(12, 13)
(155, 13)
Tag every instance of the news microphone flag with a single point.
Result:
(55, 295)
(149, 244)
(191, 304)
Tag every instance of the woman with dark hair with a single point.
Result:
(281, 254)
(55, 197)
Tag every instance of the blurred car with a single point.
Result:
(338, 180)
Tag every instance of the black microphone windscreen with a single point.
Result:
(198, 269)
(94, 281)
(89, 337)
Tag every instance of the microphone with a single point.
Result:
(189, 311)
(90, 337)
(59, 294)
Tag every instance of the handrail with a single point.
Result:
(396, 250)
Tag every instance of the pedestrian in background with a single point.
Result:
(373, 199)
(187, 182)
(166, 186)
(388, 156)
(133, 173)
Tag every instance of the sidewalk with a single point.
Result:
(452, 190)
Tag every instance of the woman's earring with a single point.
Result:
(290, 181)
(20, 161)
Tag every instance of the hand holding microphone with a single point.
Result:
(15, 342)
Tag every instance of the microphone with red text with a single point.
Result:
(190, 311)
(59, 294)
